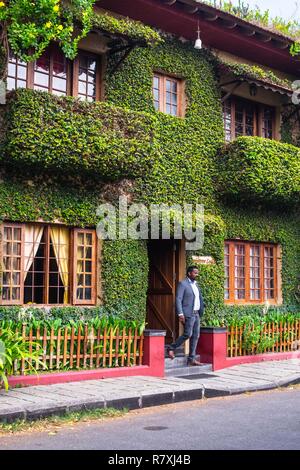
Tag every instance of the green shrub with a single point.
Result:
(65, 134)
(13, 348)
(260, 169)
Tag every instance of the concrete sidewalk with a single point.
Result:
(139, 392)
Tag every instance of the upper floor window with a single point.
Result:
(52, 72)
(86, 69)
(16, 73)
(243, 117)
(48, 264)
(167, 94)
(250, 272)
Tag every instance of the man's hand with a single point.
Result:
(182, 319)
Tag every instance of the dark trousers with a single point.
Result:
(192, 332)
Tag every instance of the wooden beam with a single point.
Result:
(281, 44)
(208, 17)
(247, 31)
(121, 60)
(190, 9)
(231, 91)
(228, 24)
(263, 37)
(168, 2)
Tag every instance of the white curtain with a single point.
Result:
(33, 236)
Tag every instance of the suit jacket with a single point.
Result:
(185, 299)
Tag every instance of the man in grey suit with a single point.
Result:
(189, 308)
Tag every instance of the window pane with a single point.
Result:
(88, 294)
(88, 266)
(267, 124)
(91, 64)
(82, 75)
(41, 79)
(82, 88)
(88, 239)
(60, 84)
(79, 293)
(91, 91)
(88, 252)
(22, 72)
(155, 82)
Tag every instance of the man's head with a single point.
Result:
(192, 272)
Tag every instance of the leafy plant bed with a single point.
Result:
(52, 345)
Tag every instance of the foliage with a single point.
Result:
(255, 72)
(189, 161)
(31, 26)
(254, 340)
(31, 200)
(185, 169)
(263, 18)
(125, 275)
(235, 316)
(37, 321)
(13, 348)
(260, 169)
(77, 137)
(60, 317)
(126, 27)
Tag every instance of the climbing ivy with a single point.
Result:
(189, 161)
(260, 169)
(183, 166)
(76, 136)
(254, 72)
(127, 28)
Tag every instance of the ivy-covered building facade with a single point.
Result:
(141, 113)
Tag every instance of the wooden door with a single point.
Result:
(163, 275)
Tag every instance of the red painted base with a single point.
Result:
(212, 348)
(234, 361)
(77, 376)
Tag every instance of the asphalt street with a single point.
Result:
(261, 421)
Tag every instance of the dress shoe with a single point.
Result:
(194, 363)
(171, 354)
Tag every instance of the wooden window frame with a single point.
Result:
(248, 301)
(75, 73)
(72, 75)
(50, 74)
(15, 77)
(21, 227)
(162, 78)
(258, 109)
(72, 269)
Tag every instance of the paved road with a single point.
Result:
(263, 420)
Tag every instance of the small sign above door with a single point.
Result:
(204, 259)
